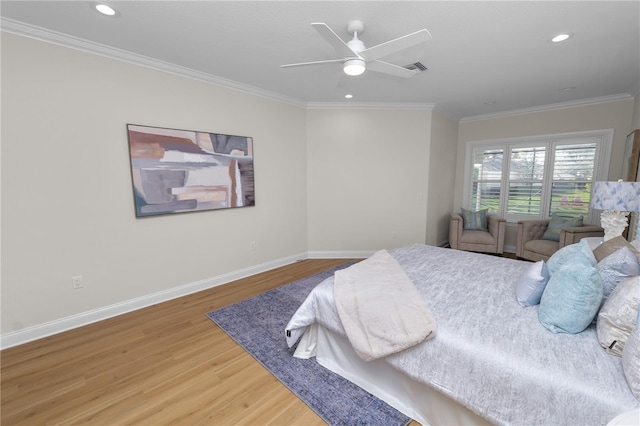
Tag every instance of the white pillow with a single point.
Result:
(531, 284)
(617, 317)
(631, 360)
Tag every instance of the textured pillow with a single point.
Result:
(531, 284)
(571, 299)
(617, 266)
(611, 246)
(474, 221)
(618, 315)
(631, 361)
(558, 223)
(574, 254)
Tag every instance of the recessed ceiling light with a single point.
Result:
(560, 37)
(348, 96)
(105, 9)
(491, 102)
(568, 89)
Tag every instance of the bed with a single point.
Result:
(490, 362)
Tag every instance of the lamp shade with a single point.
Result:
(617, 196)
(354, 66)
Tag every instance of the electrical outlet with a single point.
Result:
(252, 245)
(76, 281)
(394, 235)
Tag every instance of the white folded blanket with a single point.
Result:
(381, 310)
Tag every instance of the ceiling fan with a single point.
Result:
(356, 58)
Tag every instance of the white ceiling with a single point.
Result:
(481, 51)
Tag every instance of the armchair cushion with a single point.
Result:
(557, 224)
(544, 247)
(474, 220)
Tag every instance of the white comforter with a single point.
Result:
(379, 307)
(490, 354)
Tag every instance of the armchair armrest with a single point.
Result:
(494, 223)
(455, 230)
(573, 235)
(497, 228)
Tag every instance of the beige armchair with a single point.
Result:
(531, 246)
(491, 241)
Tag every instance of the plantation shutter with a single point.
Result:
(526, 174)
(487, 179)
(573, 171)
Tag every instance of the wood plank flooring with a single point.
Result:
(167, 364)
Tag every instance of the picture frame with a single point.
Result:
(178, 171)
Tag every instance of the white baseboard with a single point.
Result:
(356, 254)
(50, 328)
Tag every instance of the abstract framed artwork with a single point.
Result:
(177, 171)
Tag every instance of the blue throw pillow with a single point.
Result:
(531, 284)
(558, 223)
(574, 254)
(474, 221)
(571, 299)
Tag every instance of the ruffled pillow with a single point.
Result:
(531, 284)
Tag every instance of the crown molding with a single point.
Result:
(370, 105)
(551, 107)
(30, 31)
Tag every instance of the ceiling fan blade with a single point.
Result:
(387, 68)
(395, 45)
(333, 39)
(328, 61)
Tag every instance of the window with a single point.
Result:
(527, 178)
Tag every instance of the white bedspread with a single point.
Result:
(381, 310)
(490, 354)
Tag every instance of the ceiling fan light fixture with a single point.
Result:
(354, 66)
(561, 37)
(105, 9)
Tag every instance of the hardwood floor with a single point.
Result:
(167, 364)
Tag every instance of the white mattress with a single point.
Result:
(490, 354)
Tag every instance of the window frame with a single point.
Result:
(602, 138)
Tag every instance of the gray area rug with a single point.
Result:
(258, 324)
